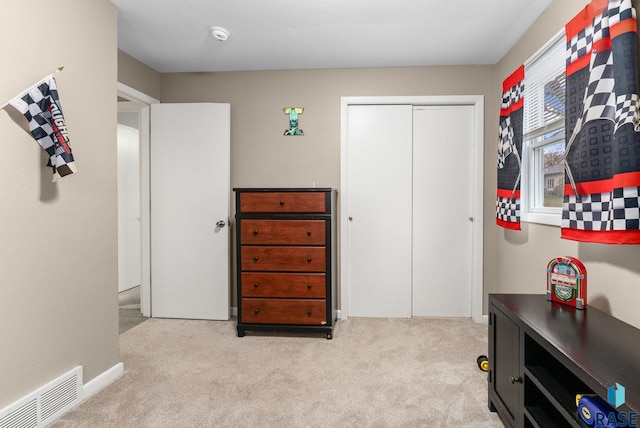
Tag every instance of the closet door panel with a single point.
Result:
(442, 228)
(379, 232)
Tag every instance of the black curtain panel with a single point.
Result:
(509, 151)
(602, 158)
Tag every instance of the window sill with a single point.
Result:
(549, 219)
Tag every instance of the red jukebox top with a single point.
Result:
(567, 282)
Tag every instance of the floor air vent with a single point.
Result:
(46, 403)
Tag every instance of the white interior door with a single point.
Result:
(129, 231)
(379, 209)
(189, 168)
(442, 207)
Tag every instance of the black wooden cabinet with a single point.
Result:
(541, 354)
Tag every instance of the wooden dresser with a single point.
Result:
(285, 240)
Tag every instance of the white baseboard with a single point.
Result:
(102, 380)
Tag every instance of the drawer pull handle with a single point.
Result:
(255, 231)
(255, 258)
(255, 285)
(515, 380)
(309, 312)
(309, 259)
(256, 311)
(309, 286)
(281, 202)
(308, 233)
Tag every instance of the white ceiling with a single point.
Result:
(174, 36)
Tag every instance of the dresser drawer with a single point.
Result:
(283, 232)
(296, 285)
(283, 202)
(284, 259)
(284, 311)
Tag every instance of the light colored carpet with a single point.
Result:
(374, 373)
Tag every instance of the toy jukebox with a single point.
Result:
(567, 282)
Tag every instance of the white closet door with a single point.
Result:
(442, 204)
(379, 233)
(190, 152)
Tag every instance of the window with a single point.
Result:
(544, 137)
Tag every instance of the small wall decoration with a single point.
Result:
(567, 282)
(293, 113)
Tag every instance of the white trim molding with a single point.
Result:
(133, 94)
(143, 101)
(102, 380)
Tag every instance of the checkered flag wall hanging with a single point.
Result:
(509, 149)
(602, 158)
(41, 106)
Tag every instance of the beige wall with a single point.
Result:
(262, 157)
(137, 75)
(58, 293)
(521, 257)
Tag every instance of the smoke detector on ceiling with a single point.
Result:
(222, 34)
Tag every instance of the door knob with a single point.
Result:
(220, 223)
(350, 218)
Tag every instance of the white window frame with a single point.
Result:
(551, 216)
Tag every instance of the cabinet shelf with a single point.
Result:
(540, 417)
(545, 399)
(558, 393)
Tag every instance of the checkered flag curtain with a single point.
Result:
(41, 106)
(509, 150)
(602, 158)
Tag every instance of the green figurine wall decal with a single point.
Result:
(293, 113)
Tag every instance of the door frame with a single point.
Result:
(477, 102)
(132, 94)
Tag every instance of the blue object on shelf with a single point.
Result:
(595, 411)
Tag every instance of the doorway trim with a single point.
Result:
(477, 102)
(134, 95)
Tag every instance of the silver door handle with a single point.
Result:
(220, 223)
